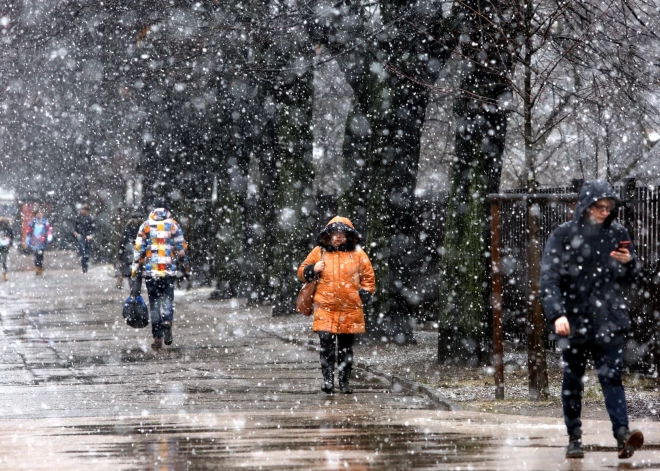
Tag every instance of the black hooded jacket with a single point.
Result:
(579, 278)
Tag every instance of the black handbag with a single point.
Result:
(135, 311)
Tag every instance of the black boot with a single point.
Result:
(328, 380)
(574, 449)
(627, 441)
(344, 377)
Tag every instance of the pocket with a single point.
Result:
(619, 320)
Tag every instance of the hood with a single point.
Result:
(160, 214)
(592, 191)
(339, 223)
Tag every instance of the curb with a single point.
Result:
(397, 383)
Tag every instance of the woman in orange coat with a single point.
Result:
(345, 281)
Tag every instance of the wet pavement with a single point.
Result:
(81, 390)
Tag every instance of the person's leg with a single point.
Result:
(345, 360)
(575, 361)
(84, 255)
(39, 261)
(608, 360)
(155, 306)
(3, 260)
(168, 309)
(327, 354)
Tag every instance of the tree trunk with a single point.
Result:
(465, 322)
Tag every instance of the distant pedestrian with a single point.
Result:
(161, 255)
(587, 264)
(39, 237)
(346, 282)
(6, 241)
(124, 257)
(84, 231)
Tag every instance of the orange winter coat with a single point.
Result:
(337, 304)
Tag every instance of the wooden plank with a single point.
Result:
(496, 280)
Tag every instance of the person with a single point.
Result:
(161, 255)
(84, 230)
(6, 241)
(38, 239)
(587, 264)
(125, 250)
(346, 282)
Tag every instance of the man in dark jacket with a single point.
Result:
(586, 266)
(84, 231)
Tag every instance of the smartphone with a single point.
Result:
(623, 244)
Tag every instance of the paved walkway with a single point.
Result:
(81, 390)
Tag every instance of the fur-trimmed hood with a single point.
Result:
(339, 224)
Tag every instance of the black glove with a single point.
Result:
(365, 296)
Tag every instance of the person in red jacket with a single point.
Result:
(346, 282)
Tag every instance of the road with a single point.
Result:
(81, 390)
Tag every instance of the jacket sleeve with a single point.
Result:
(305, 273)
(630, 271)
(551, 264)
(367, 276)
(181, 247)
(139, 253)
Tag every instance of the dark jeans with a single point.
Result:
(84, 250)
(3, 260)
(608, 360)
(161, 303)
(344, 345)
(38, 258)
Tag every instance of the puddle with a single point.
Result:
(300, 444)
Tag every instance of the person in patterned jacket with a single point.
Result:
(39, 237)
(160, 256)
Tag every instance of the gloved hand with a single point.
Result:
(136, 285)
(365, 296)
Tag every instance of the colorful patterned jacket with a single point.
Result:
(39, 234)
(158, 242)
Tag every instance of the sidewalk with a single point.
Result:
(473, 388)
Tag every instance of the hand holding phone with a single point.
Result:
(623, 244)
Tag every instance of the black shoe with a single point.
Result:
(627, 441)
(167, 333)
(344, 376)
(328, 380)
(574, 449)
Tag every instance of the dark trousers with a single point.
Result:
(161, 303)
(344, 345)
(3, 260)
(608, 360)
(38, 258)
(84, 250)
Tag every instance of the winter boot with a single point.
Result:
(38, 271)
(344, 377)
(627, 441)
(4, 276)
(574, 449)
(328, 380)
(120, 283)
(158, 344)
